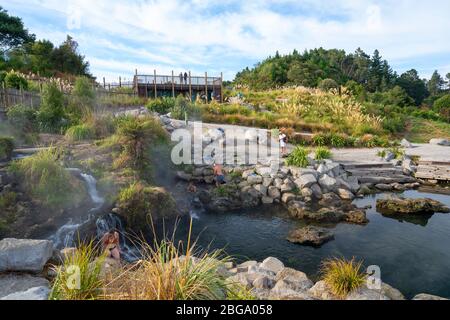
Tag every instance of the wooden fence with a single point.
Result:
(11, 97)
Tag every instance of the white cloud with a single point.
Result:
(209, 34)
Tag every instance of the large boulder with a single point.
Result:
(405, 143)
(36, 293)
(410, 206)
(24, 255)
(254, 179)
(345, 194)
(12, 283)
(321, 290)
(440, 142)
(305, 181)
(317, 191)
(274, 192)
(425, 296)
(327, 183)
(272, 264)
(310, 235)
(364, 293)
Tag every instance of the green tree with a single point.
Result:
(442, 106)
(51, 112)
(67, 59)
(436, 84)
(328, 84)
(12, 32)
(413, 85)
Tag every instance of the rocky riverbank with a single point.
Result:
(26, 274)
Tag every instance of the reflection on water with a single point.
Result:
(413, 254)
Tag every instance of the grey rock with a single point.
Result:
(383, 187)
(266, 200)
(267, 182)
(36, 293)
(328, 183)
(440, 142)
(254, 179)
(364, 293)
(184, 176)
(389, 156)
(322, 291)
(277, 182)
(243, 267)
(298, 279)
(405, 143)
(287, 197)
(317, 191)
(310, 235)
(263, 282)
(305, 181)
(345, 194)
(272, 264)
(307, 192)
(261, 189)
(12, 282)
(425, 296)
(24, 255)
(274, 192)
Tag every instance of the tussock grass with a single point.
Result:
(87, 263)
(342, 276)
(168, 271)
(322, 153)
(80, 132)
(298, 157)
(46, 179)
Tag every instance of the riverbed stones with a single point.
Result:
(24, 255)
(345, 194)
(310, 236)
(305, 181)
(274, 192)
(410, 206)
(287, 186)
(254, 179)
(328, 183)
(261, 189)
(264, 171)
(278, 182)
(383, 187)
(306, 193)
(267, 182)
(357, 216)
(425, 296)
(272, 264)
(287, 197)
(317, 191)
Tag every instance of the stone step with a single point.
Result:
(386, 180)
(375, 171)
(373, 165)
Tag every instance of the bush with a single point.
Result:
(90, 281)
(442, 106)
(6, 148)
(22, 118)
(80, 132)
(394, 123)
(328, 84)
(161, 105)
(342, 276)
(51, 113)
(322, 153)
(15, 81)
(298, 158)
(140, 204)
(46, 180)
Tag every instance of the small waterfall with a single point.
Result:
(64, 236)
(110, 222)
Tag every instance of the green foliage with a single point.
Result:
(6, 148)
(322, 153)
(83, 93)
(328, 84)
(80, 132)
(342, 276)
(442, 106)
(13, 32)
(298, 157)
(183, 108)
(22, 118)
(16, 81)
(51, 113)
(88, 263)
(161, 105)
(46, 180)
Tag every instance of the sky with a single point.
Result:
(216, 36)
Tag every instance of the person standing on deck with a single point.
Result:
(185, 78)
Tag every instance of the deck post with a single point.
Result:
(104, 83)
(190, 86)
(154, 81)
(206, 86)
(120, 82)
(135, 83)
(221, 87)
(173, 86)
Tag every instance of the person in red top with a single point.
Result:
(110, 244)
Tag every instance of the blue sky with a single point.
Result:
(118, 37)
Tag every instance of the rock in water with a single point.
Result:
(24, 255)
(425, 296)
(410, 206)
(310, 235)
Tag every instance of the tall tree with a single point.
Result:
(436, 84)
(413, 85)
(12, 32)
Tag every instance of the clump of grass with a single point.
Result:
(6, 147)
(298, 157)
(322, 153)
(80, 132)
(237, 291)
(165, 273)
(342, 276)
(46, 179)
(86, 263)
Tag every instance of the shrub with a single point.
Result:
(140, 204)
(298, 157)
(44, 177)
(394, 123)
(442, 106)
(16, 81)
(328, 84)
(51, 113)
(6, 148)
(22, 118)
(83, 92)
(89, 268)
(322, 153)
(80, 132)
(161, 105)
(342, 276)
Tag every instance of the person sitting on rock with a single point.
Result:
(191, 187)
(110, 244)
(218, 174)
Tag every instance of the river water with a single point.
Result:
(413, 255)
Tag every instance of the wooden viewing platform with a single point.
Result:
(153, 86)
